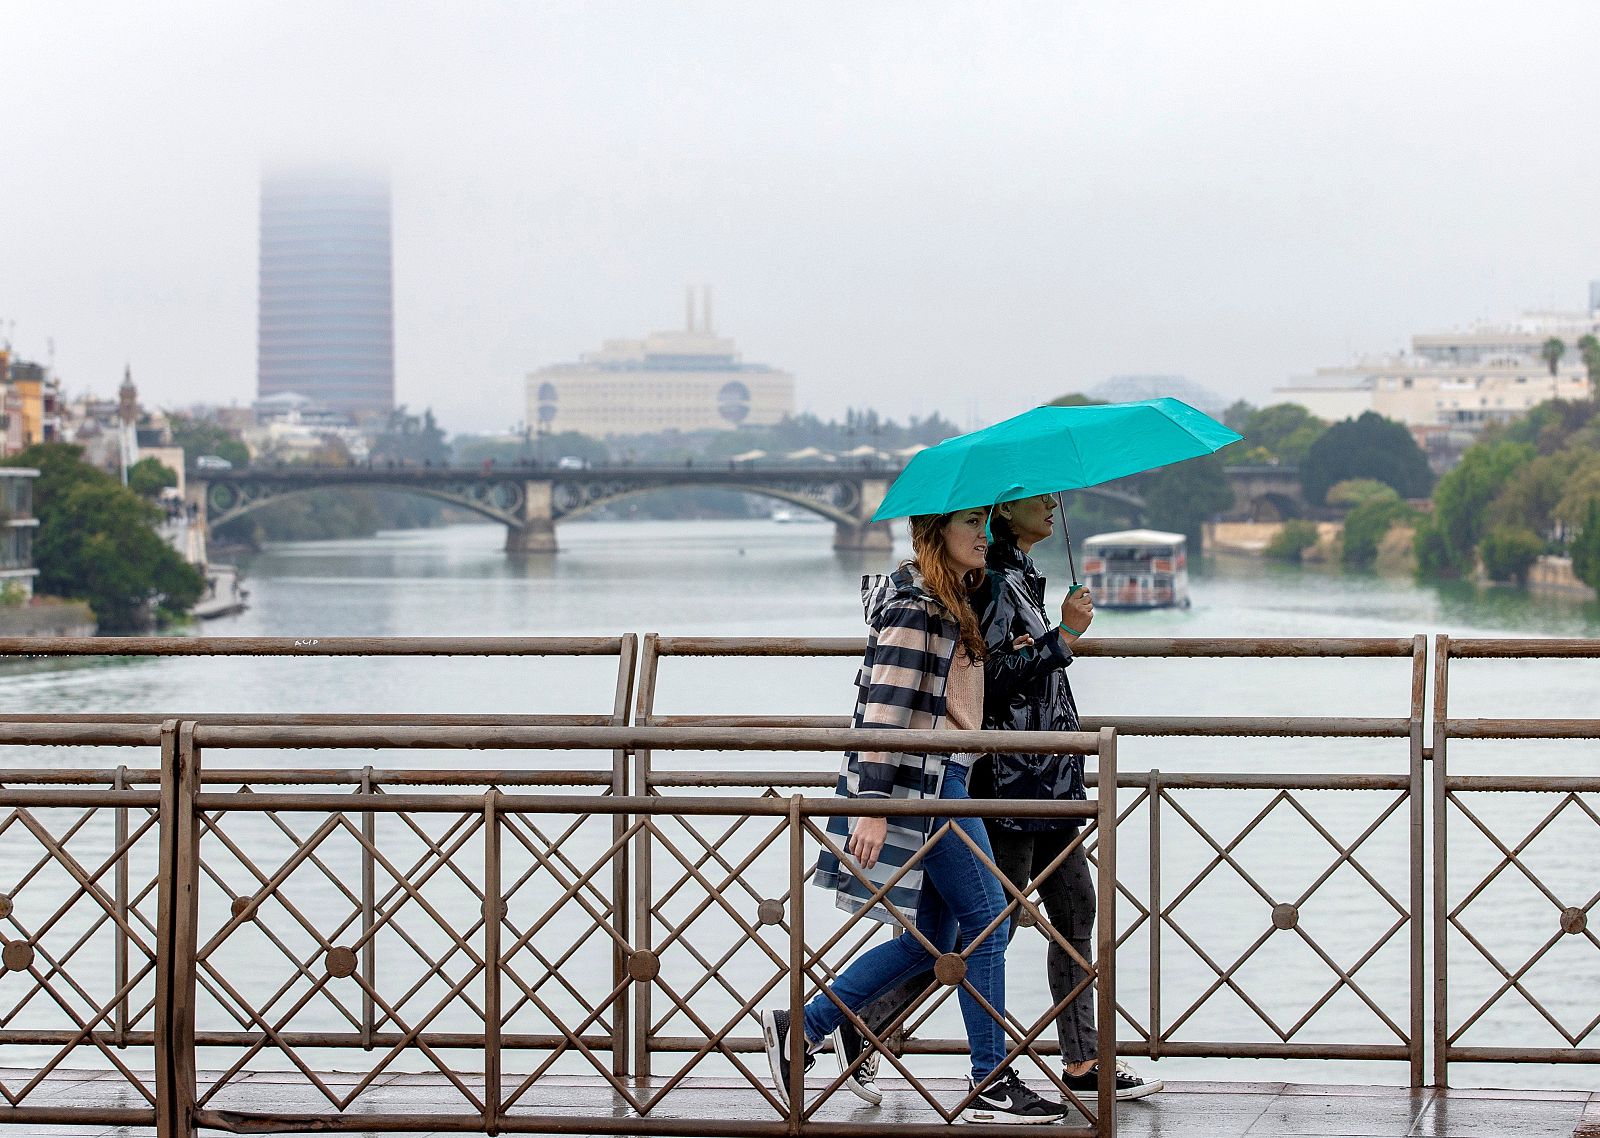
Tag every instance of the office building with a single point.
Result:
(326, 321)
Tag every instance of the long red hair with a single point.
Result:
(946, 580)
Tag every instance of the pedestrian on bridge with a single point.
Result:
(923, 670)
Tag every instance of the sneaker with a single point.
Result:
(1007, 1100)
(775, 1033)
(863, 1080)
(1129, 1085)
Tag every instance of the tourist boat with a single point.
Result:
(1137, 569)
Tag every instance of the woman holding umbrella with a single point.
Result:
(1020, 463)
(1028, 653)
(923, 670)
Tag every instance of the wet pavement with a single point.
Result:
(1191, 1109)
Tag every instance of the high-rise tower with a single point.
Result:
(326, 320)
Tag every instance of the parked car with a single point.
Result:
(212, 462)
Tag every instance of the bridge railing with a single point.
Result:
(1514, 858)
(624, 649)
(452, 921)
(1280, 951)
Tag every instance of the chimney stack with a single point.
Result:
(688, 308)
(705, 309)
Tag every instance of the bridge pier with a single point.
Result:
(537, 531)
(866, 537)
(863, 537)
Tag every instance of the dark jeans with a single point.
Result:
(1069, 905)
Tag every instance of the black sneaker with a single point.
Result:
(775, 1033)
(1007, 1100)
(1129, 1085)
(863, 1080)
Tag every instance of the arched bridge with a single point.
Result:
(529, 501)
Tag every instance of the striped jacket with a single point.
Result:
(911, 639)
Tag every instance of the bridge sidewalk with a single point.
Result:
(1203, 1110)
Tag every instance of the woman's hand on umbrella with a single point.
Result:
(1077, 609)
(866, 840)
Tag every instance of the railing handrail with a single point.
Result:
(1215, 647)
(314, 645)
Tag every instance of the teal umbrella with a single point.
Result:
(1048, 450)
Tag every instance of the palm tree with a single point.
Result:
(1552, 351)
(1589, 350)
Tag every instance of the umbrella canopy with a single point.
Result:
(1050, 449)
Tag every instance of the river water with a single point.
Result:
(760, 578)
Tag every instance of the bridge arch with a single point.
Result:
(1275, 506)
(502, 501)
(610, 494)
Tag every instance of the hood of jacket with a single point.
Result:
(878, 589)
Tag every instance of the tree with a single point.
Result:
(1509, 552)
(149, 476)
(1074, 399)
(1586, 547)
(1589, 352)
(1293, 538)
(1551, 352)
(1368, 447)
(1530, 496)
(412, 439)
(1447, 543)
(1581, 488)
(198, 437)
(1288, 430)
(96, 542)
(1182, 496)
(1551, 425)
(1238, 414)
(1377, 508)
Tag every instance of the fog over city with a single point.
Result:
(968, 208)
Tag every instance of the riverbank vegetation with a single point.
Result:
(97, 542)
(1526, 489)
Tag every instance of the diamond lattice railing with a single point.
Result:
(75, 885)
(561, 918)
(1549, 933)
(1283, 915)
(723, 947)
(282, 963)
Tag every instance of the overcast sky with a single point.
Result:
(917, 206)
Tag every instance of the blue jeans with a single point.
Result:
(959, 896)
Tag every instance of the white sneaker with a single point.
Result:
(863, 1080)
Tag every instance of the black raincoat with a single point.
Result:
(1025, 689)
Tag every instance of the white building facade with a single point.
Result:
(688, 380)
(1457, 381)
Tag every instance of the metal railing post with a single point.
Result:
(797, 951)
(177, 919)
(1416, 792)
(1106, 932)
(369, 904)
(120, 838)
(493, 915)
(1441, 844)
(1155, 793)
(643, 886)
(622, 1010)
